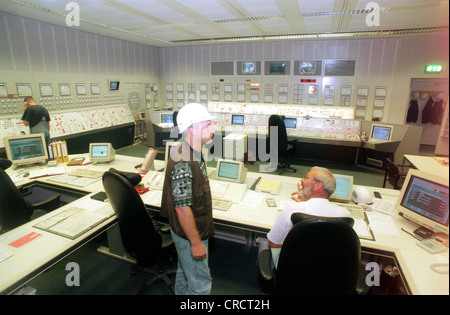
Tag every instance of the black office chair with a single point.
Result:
(14, 209)
(175, 125)
(141, 237)
(320, 255)
(393, 174)
(283, 144)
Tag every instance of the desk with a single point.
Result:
(427, 164)
(48, 249)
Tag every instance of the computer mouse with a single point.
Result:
(26, 174)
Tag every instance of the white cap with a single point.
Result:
(190, 114)
(361, 195)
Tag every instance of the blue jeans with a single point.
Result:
(193, 276)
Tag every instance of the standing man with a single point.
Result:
(317, 187)
(37, 118)
(186, 200)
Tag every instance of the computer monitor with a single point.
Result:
(237, 119)
(101, 152)
(290, 122)
(167, 118)
(344, 188)
(113, 85)
(248, 67)
(424, 200)
(26, 149)
(381, 132)
(231, 171)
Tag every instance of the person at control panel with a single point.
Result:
(37, 118)
(313, 199)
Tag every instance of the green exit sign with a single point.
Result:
(433, 68)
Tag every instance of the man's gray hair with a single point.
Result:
(324, 176)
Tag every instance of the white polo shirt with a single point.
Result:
(316, 206)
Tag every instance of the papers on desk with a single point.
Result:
(75, 221)
(74, 180)
(268, 186)
(48, 171)
(383, 206)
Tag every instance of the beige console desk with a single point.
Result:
(30, 260)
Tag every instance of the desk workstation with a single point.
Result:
(380, 233)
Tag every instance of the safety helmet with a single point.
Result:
(362, 195)
(190, 114)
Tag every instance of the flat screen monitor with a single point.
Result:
(344, 188)
(231, 171)
(290, 122)
(248, 68)
(101, 152)
(114, 85)
(381, 132)
(167, 118)
(277, 68)
(237, 119)
(424, 200)
(26, 149)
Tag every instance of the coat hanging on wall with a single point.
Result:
(437, 111)
(427, 110)
(413, 111)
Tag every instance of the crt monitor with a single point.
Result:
(231, 171)
(114, 85)
(166, 118)
(344, 188)
(101, 152)
(424, 200)
(237, 119)
(381, 132)
(26, 149)
(290, 122)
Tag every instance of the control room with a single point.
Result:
(355, 88)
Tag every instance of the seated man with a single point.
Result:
(318, 185)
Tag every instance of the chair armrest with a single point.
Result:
(265, 264)
(47, 201)
(165, 229)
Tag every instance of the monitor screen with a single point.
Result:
(277, 68)
(237, 119)
(344, 188)
(248, 67)
(381, 132)
(26, 149)
(290, 122)
(228, 170)
(101, 152)
(114, 85)
(231, 171)
(424, 199)
(166, 118)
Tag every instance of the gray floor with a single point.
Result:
(234, 272)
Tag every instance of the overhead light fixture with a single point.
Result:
(366, 34)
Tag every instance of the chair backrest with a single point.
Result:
(300, 217)
(277, 121)
(139, 236)
(14, 210)
(392, 173)
(319, 256)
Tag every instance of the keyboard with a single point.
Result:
(86, 173)
(356, 211)
(221, 204)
